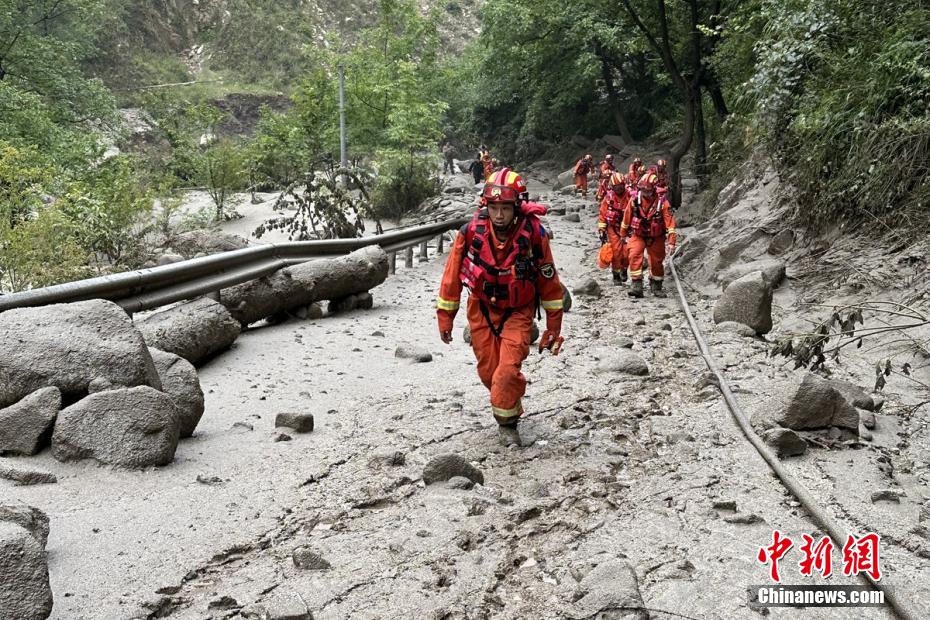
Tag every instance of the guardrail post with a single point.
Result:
(439, 243)
(392, 261)
(424, 252)
(408, 258)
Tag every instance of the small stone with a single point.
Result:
(460, 482)
(572, 217)
(867, 419)
(640, 321)
(282, 437)
(622, 342)
(743, 518)
(223, 602)
(30, 519)
(736, 328)
(887, 495)
(414, 353)
(306, 558)
(300, 422)
(446, 466)
(243, 426)
(924, 515)
(590, 288)
(623, 361)
(785, 441)
(209, 480)
(378, 333)
(23, 476)
(725, 504)
(389, 458)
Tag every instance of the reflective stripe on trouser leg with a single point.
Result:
(636, 246)
(505, 417)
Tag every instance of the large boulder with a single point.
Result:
(25, 593)
(445, 466)
(25, 424)
(565, 178)
(195, 330)
(773, 270)
(27, 517)
(68, 346)
(189, 244)
(813, 403)
(303, 284)
(748, 300)
(134, 427)
(180, 381)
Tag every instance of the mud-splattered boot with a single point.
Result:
(636, 289)
(656, 286)
(509, 435)
(618, 280)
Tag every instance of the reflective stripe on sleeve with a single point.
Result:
(551, 304)
(445, 304)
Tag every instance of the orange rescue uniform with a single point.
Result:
(605, 169)
(609, 221)
(500, 357)
(581, 172)
(648, 238)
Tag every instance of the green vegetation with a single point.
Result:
(836, 92)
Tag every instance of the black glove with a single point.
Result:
(603, 236)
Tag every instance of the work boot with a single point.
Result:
(618, 280)
(509, 435)
(656, 286)
(636, 290)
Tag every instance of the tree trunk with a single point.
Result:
(303, 284)
(614, 99)
(678, 152)
(195, 330)
(716, 96)
(700, 154)
(697, 106)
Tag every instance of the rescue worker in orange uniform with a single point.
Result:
(608, 225)
(636, 172)
(662, 176)
(486, 162)
(649, 221)
(604, 170)
(583, 168)
(503, 257)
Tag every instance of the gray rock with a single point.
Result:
(190, 244)
(748, 300)
(168, 259)
(25, 593)
(343, 304)
(306, 558)
(466, 334)
(132, 427)
(773, 270)
(68, 345)
(412, 352)
(566, 299)
(622, 342)
(446, 466)
(887, 495)
(25, 476)
(623, 361)
(387, 458)
(867, 419)
(736, 328)
(743, 518)
(815, 403)
(100, 384)
(572, 217)
(300, 422)
(590, 288)
(195, 330)
(924, 514)
(460, 482)
(856, 396)
(180, 381)
(29, 518)
(534, 333)
(785, 442)
(314, 312)
(24, 425)
(610, 591)
(781, 242)
(364, 301)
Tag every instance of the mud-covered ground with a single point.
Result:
(651, 471)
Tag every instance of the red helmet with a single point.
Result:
(504, 186)
(648, 182)
(608, 157)
(588, 157)
(637, 162)
(617, 181)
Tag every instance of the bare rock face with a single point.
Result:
(180, 381)
(134, 427)
(25, 593)
(196, 330)
(25, 424)
(68, 346)
(747, 300)
(303, 284)
(610, 591)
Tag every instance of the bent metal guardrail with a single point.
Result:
(145, 289)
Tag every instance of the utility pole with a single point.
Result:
(342, 117)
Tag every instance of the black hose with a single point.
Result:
(807, 501)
